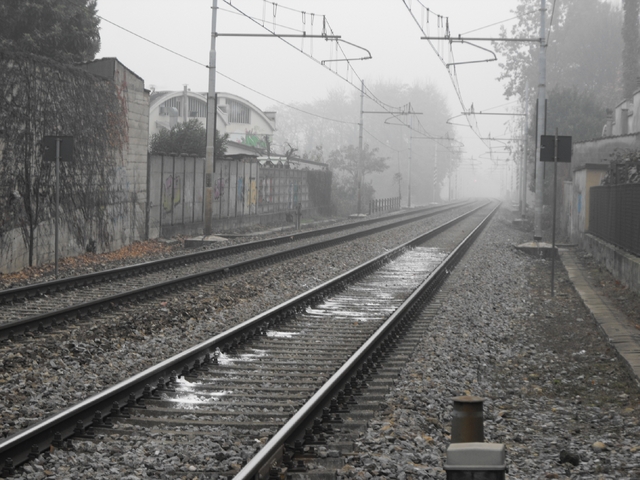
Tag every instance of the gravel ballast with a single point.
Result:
(557, 396)
(45, 374)
(556, 392)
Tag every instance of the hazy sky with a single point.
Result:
(281, 73)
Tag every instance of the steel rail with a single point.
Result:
(258, 467)
(44, 288)
(43, 321)
(15, 449)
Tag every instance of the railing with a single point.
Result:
(614, 217)
(384, 205)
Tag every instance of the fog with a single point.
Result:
(271, 73)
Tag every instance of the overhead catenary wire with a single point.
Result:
(553, 11)
(226, 76)
(286, 104)
(240, 83)
(436, 49)
(284, 27)
(471, 119)
(153, 43)
(369, 94)
(497, 23)
(326, 29)
(392, 110)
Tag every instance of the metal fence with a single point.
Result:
(614, 215)
(384, 205)
(176, 191)
(247, 188)
(241, 187)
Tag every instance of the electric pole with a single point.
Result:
(410, 142)
(542, 93)
(360, 153)
(211, 121)
(523, 171)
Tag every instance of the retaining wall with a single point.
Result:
(622, 265)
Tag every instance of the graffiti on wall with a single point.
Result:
(253, 139)
(240, 189)
(253, 192)
(172, 192)
(218, 189)
(293, 195)
(266, 190)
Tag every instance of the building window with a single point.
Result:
(173, 102)
(197, 107)
(238, 112)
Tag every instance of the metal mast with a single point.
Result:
(542, 93)
(360, 153)
(211, 119)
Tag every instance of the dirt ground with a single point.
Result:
(91, 262)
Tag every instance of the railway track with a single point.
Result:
(287, 385)
(41, 306)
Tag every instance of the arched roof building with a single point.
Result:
(245, 123)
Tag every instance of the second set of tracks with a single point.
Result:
(40, 306)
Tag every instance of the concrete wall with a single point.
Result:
(129, 223)
(622, 265)
(566, 211)
(600, 150)
(590, 161)
(132, 171)
(584, 178)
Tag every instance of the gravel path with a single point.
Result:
(556, 394)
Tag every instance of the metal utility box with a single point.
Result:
(476, 461)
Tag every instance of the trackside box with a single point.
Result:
(476, 461)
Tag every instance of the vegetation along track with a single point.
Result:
(39, 306)
(243, 385)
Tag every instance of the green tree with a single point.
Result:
(187, 138)
(65, 31)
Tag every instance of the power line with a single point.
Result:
(286, 104)
(553, 10)
(498, 23)
(450, 67)
(233, 12)
(226, 76)
(326, 28)
(236, 11)
(154, 43)
(380, 141)
(451, 71)
(368, 92)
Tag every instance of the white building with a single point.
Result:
(246, 124)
